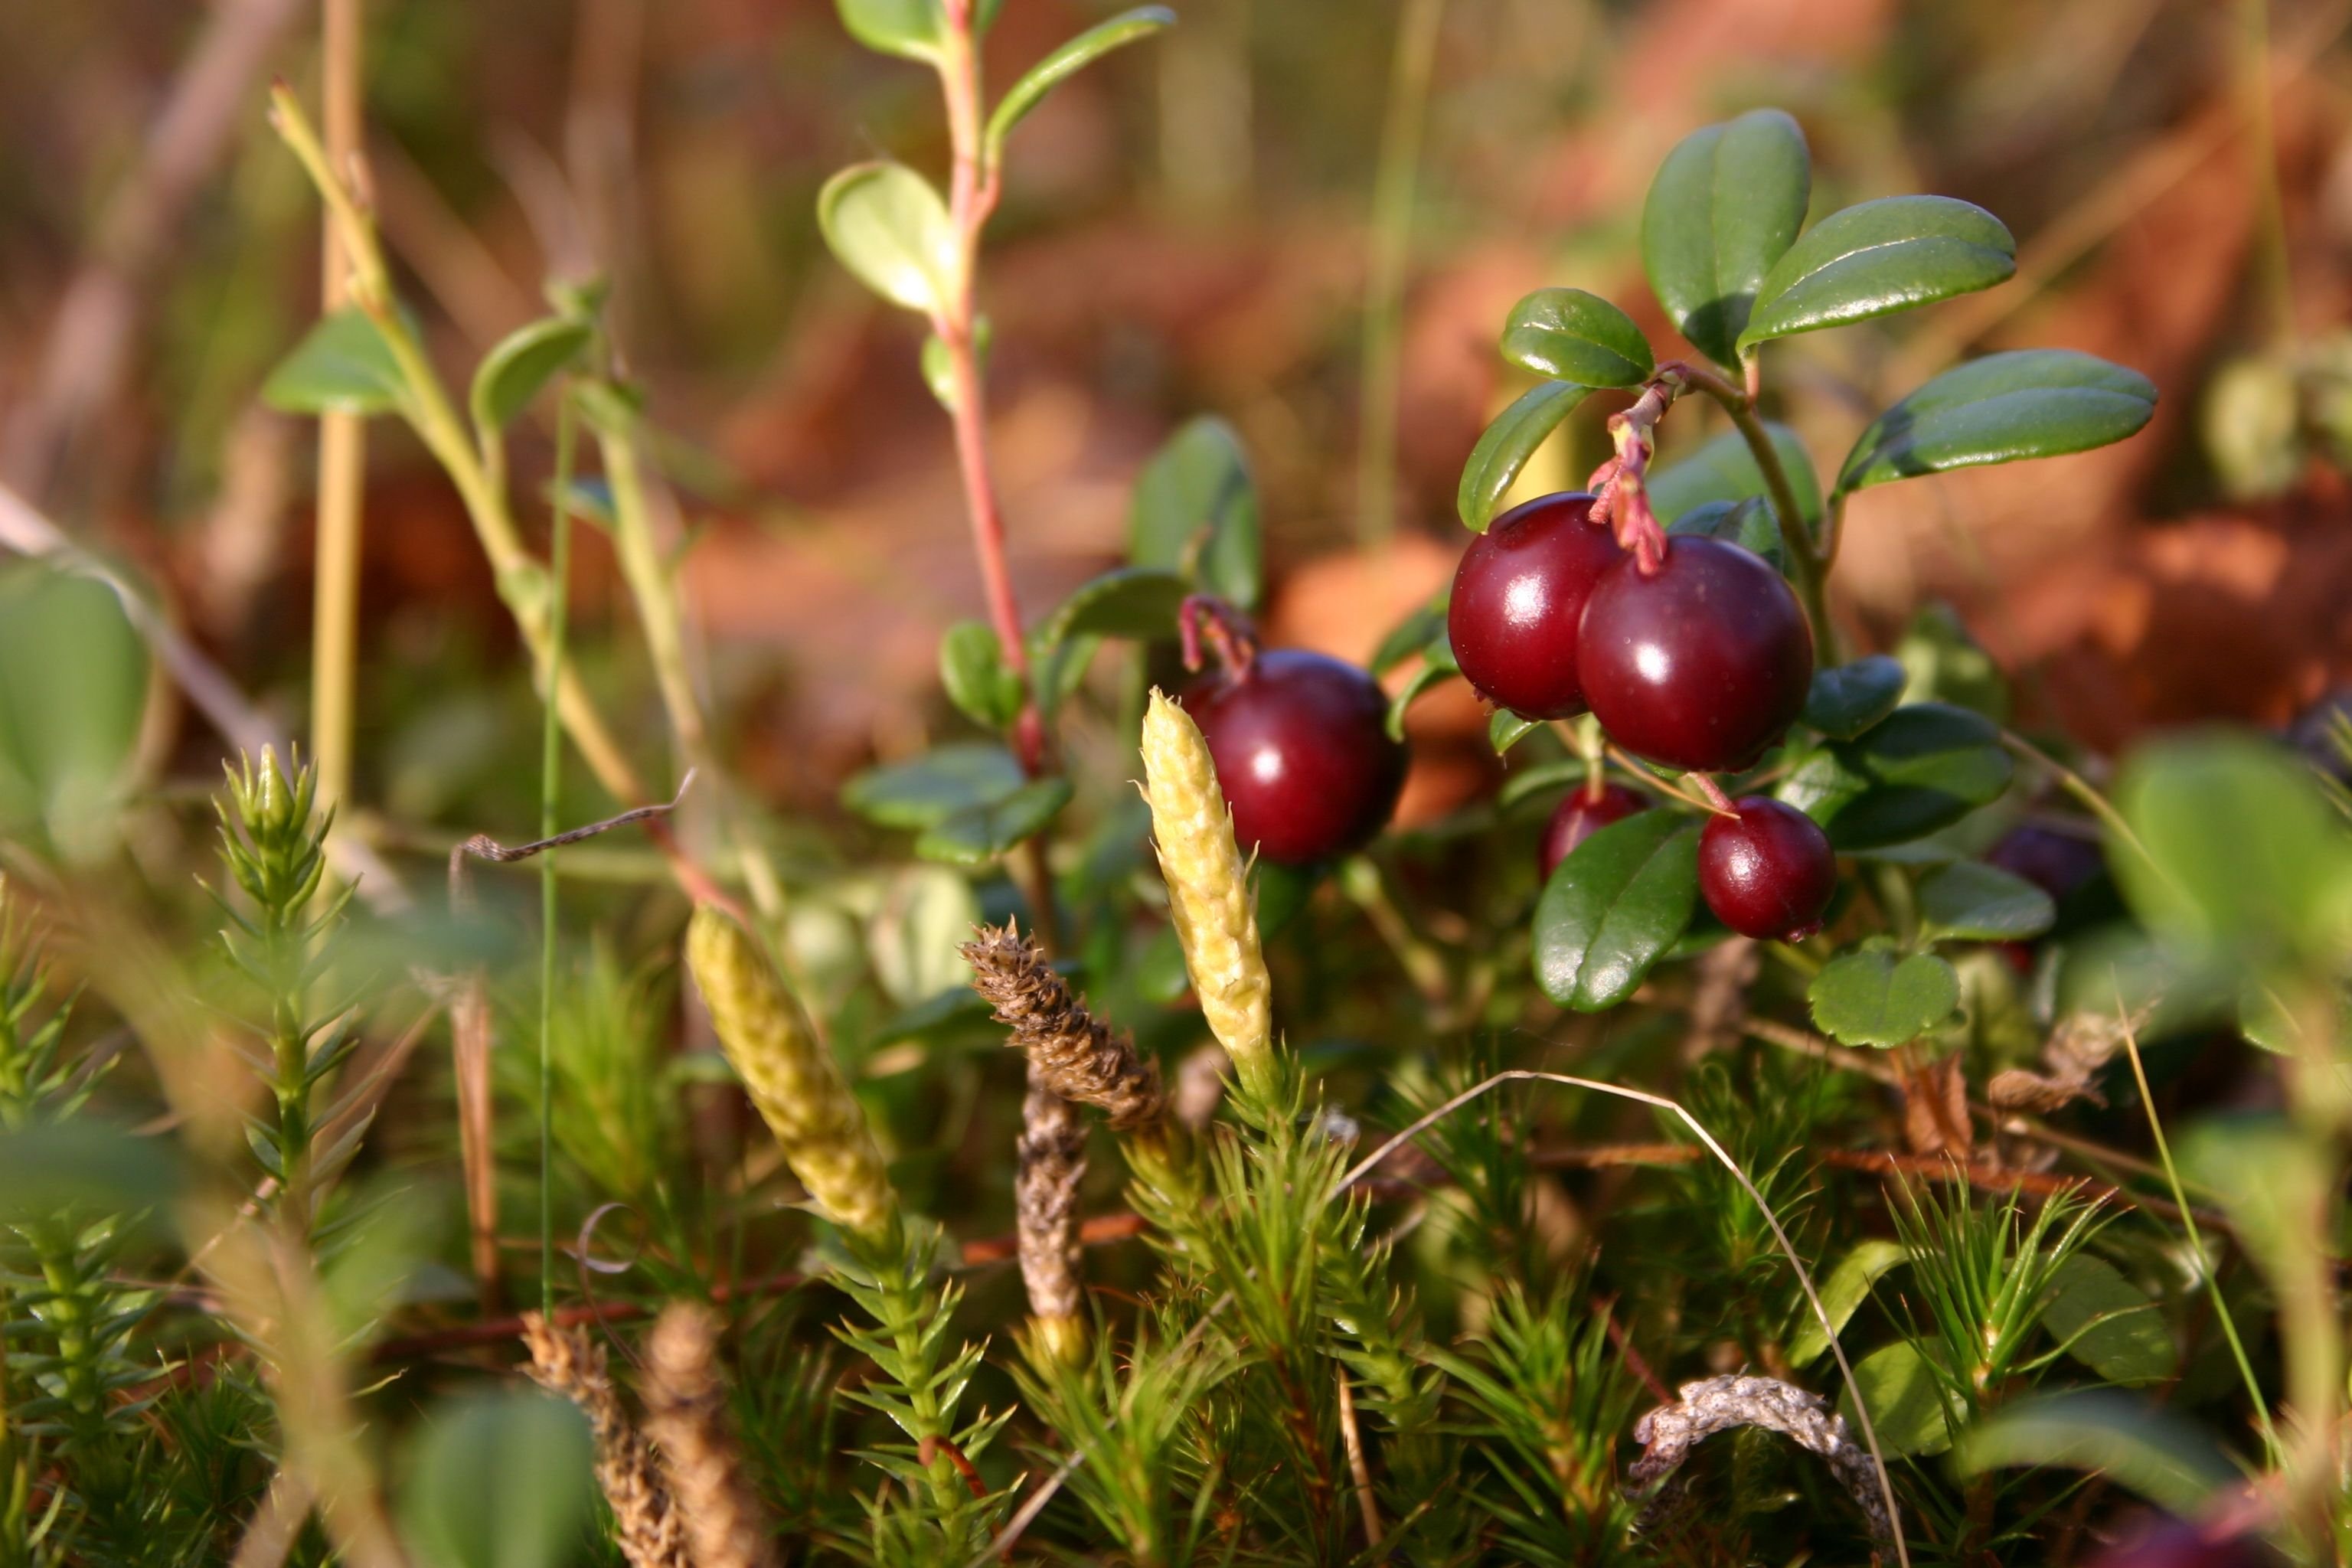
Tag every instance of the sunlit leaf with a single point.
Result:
(1613, 907)
(1726, 205)
(1878, 257)
(887, 225)
(2034, 403)
(1569, 335)
(1505, 447)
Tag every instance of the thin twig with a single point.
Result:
(1361, 1472)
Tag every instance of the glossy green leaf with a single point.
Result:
(1505, 729)
(1747, 524)
(1569, 335)
(1922, 767)
(1125, 602)
(1613, 907)
(1724, 470)
(1069, 60)
(1726, 205)
(978, 682)
(1912, 1411)
(980, 833)
(911, 29)
(1843, 1290)
(926, 790)
(2244, 851)
(1945, 664)
(2034, 403)
(1195, 512)
(1874, 997)
(1879, 257)
(74, 679)
(2108, 1323)
(2169, 1461)
(887, 225)
(499, 1480)
(1971, 901)
(342, 366)
(1505, 447)
(524, 360)
(1846, 699)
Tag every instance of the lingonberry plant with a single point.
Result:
(1735, 1138)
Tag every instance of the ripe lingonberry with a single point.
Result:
(1517, 596)
(1302, 752)
(1768, 872)
(1582, 814)
(2060, 864)
(1700, 664)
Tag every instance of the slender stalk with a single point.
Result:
(1394, 188)
(343, 447)
(550, 781)
(2197, 1241)
(622, 442)
(1808, 561)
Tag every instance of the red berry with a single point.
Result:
(1699, 664)
(1768, 872)
(1303, 752)
(2060, 864)
(1517, 596)
(1581, 815)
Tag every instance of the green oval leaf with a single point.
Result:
(2034, 403)
(1570, 335)
(74, 679)
(982, 832)
(972, 670)
(1437, 663)
(499, 1480)
(342, 365)
(1195, 512)
(1726, 205)
(887, 225)
(1971, 901)
(1844, 1291)
(2243, 849)
(1872, 997)
(1505, 729)
(1925, 766)
(1747, 524)
(1613, 907)
(1879, 257)
(911, 29)
(2174, 1464)
(1066, 61)
(524, 360)
(1724, 470)
(924, 791)
(1126, 602)
(1847, 699)
(2108, 1323)
(1910, 1408)
(1505, 447)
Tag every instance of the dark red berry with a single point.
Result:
(1699, 664)
(1581, 815)
(1517, 596)
(2060, 864)
(1768, 872)
(1303, 751)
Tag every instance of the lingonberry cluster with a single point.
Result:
(1691, 652)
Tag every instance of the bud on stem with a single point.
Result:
(1209, 894)
(791, 1079)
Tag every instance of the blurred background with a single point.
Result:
(1236, 220)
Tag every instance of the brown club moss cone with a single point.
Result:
(645, 1525)
(1052, 1159)
(792, 1077)
(1072, 1052)
(686, 1413)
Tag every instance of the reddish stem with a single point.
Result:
(1714, 792)
(1229, 632)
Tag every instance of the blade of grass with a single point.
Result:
(550, 778)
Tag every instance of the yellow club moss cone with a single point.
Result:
(793, 1079)
(1209, 892)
